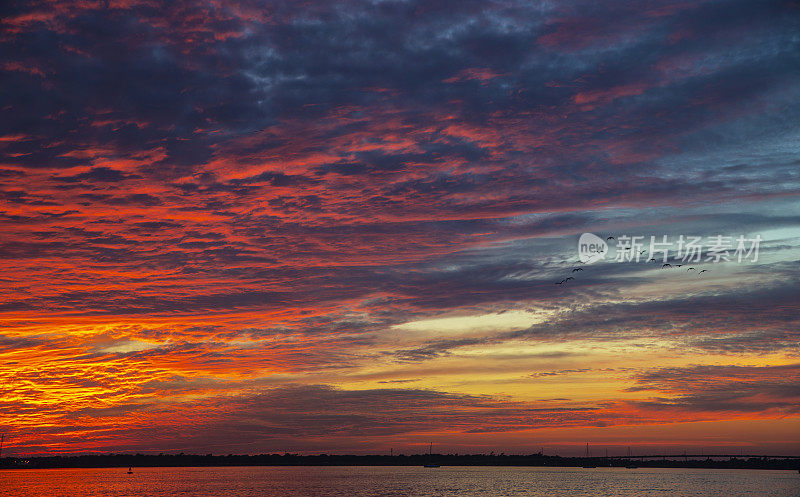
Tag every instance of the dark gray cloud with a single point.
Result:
(741, 389)
(312, 416)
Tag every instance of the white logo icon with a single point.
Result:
(591, 248)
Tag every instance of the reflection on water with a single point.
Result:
(399, 481)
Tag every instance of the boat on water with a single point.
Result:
(588, 464)
(130, 470)
(630, 464)
(430, 463)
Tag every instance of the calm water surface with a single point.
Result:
(398, 481)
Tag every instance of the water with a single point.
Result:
(312, 481)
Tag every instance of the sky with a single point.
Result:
(256, 227)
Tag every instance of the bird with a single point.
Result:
(678, 265)
(652, 260)
(560, 282)
(570, 278)
(577, 269)
(643, 251)
(690, 269)
(666, 265)
(610, 238)
(703, 271)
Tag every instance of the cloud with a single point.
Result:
(738, 389)
(314, 416)
(98, 174)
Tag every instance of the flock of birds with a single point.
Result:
(663, 266)
(569, 278)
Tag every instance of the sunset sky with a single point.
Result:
(284, 226)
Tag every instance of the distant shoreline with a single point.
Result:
(532, 460)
